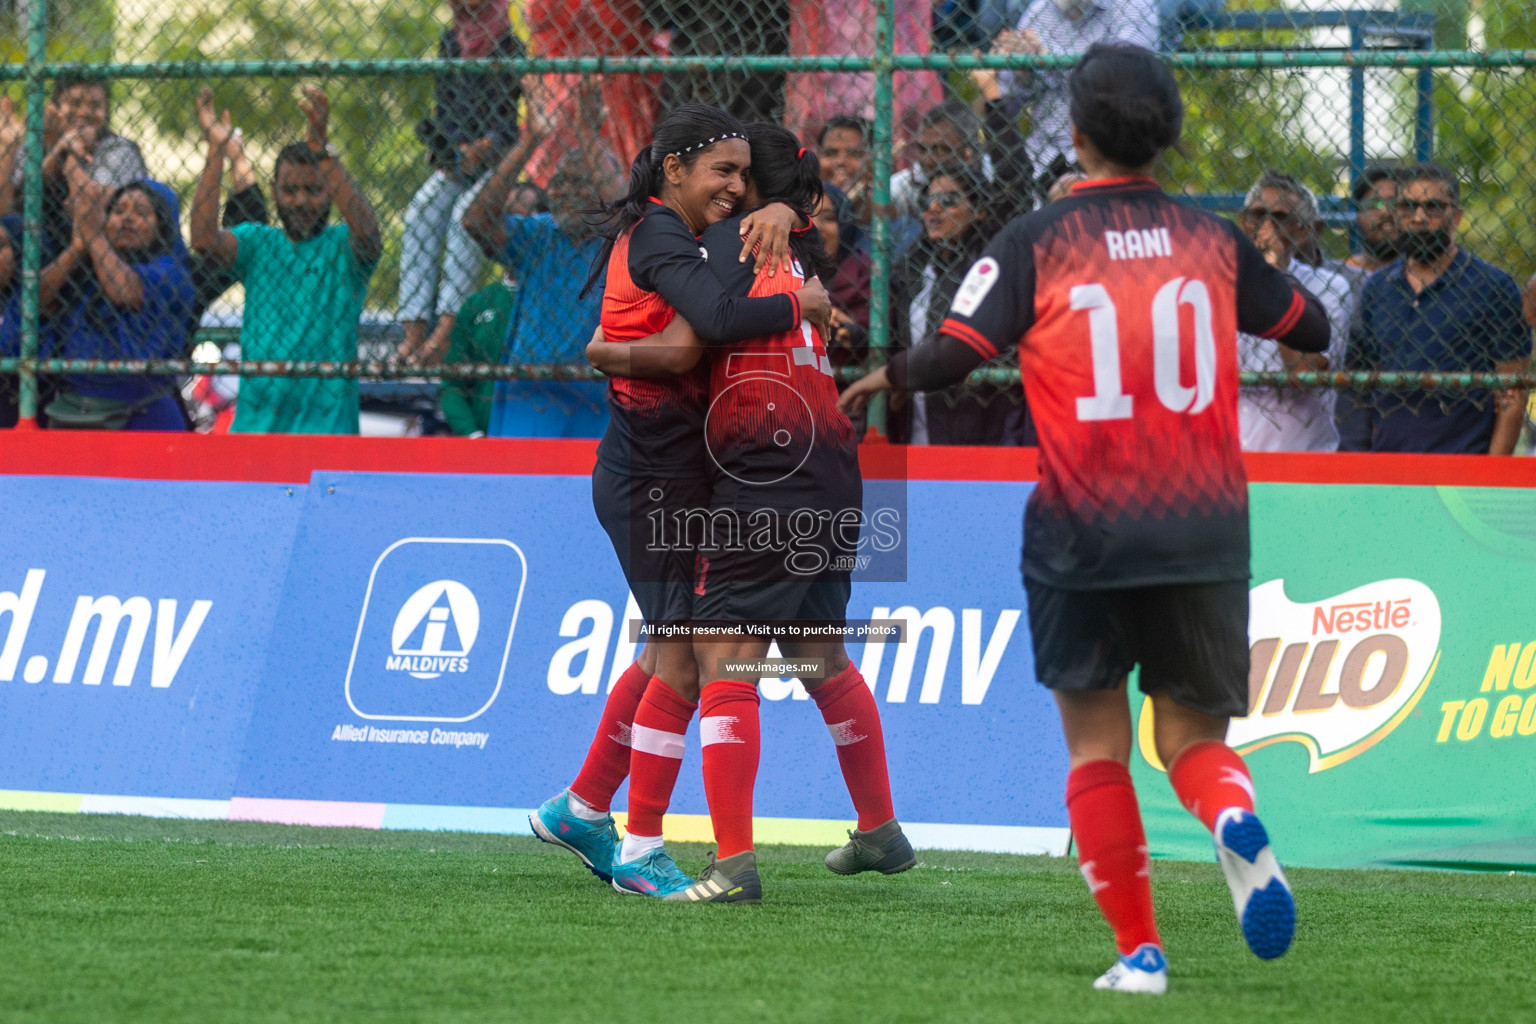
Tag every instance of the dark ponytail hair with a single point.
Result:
(784, 171)
(1126, 101)
(685, 132)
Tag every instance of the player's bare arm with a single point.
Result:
(667, 353)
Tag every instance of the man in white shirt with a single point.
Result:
(1058, 27)
(1278, 213)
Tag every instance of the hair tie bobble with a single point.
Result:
(800, 155)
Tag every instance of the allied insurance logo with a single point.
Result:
(436, 629)
(1336, 676)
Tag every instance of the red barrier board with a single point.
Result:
(290, 458)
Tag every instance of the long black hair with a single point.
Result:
(981, 195)
(784, 171)
(1126, 101)
(686, 132)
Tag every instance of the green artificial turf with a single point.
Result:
(106, 919)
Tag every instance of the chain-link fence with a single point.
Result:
(375, 210)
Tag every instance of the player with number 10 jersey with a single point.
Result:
(1125, 305)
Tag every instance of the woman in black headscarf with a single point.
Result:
(958, 221)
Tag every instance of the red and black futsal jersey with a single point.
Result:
(774, 434)
(1125, 305)
(658, 269)
(787, 494)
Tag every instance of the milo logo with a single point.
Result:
(1337, 675)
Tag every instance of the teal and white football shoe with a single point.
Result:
(654, 874)
(595, 842)
(1143, 970)
(1265, 908)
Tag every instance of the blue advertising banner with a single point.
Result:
(448, 642)
(433, 651)
(130, 652)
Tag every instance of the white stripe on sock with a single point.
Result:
(653, 741)
(718, 729)
(843, 733)
(622, 736)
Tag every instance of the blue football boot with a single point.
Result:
(595, 842)
(654, 874)
(1265, 907)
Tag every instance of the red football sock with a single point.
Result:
(1209, 777)
(853, 719)
(730, 735)
(656, 753)
(1112, 849)
(607, 760)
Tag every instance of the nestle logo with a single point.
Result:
(1361, 616)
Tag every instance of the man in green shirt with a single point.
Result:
(479, 336)
(304, 282)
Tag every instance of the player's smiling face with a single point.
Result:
(710, 190)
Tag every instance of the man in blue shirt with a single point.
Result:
(548, 255)
(1439, 308)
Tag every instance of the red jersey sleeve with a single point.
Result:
(1271, 304)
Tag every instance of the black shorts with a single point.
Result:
(1190, 639)
(807, 579)
(638, 514)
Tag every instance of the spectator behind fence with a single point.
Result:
(849, 287)
(847, 27)
(593, 28)
(10, 311)
(1273, 419)
(1063, 27)
(967, 24)
(957, 224)
(843, 148)
(1439, 308)
(479, 336)
(131, 302)
(1375, 197)
(949, 135)
(724, 28)
(549, 254)
(246, 205)
(11, 235)
(76, 128)
(304, 282)
(13, 131)
(474, 122)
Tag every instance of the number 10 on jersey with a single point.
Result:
(1109, 400)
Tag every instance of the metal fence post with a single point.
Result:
(880, 224)
(32, 208)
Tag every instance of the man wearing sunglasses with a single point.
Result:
(1279, 215)
(1439, 308)
(1375, 196)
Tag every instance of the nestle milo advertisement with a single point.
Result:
(1392, 681)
